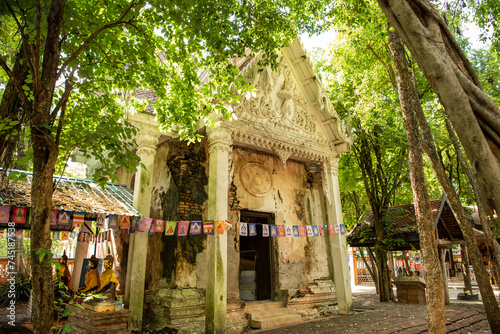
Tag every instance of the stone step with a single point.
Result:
(259, 305)
(276, 321)
(267, 313)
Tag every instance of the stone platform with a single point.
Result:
(88, 321)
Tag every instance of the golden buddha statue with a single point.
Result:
(63, 274)
(108, 282)
(91, 277)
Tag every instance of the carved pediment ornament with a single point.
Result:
(256, 179)
(283, 154)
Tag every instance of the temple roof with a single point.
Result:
(403, 223)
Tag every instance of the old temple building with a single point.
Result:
(274, 164)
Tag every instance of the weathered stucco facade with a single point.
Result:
(275, 163)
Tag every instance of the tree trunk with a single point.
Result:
(489, 301)
(436, 320)
(448, 71)
(466, 271)
(20, 259)
(383, 274)
(491, 243)
(372, 271)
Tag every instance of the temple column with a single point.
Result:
(147, 139)
(337, 241)
(218, 186)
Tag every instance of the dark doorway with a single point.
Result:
(258, 249)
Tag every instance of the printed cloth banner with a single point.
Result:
(78, 218)
(331, 230)
(325, 227)
(159, 225)
(65, 235)
(113, 222)
(73, 235)
(101, 218)
(219, 226)
(289, 231)
(170, 227)
(27, 235)
(80, 236)
(281, 230)
(208, 227)
(265, 230)
(252, 230)
(87, 237)
(2, 233)
(53, 217)
(19, 215)
(4, 214)
(55, 235)
(296, 232)
(19, 234)
(302, 230)
(195, 228)
(342, 229)
(152, 228)
(134, 222)
(144, 224)
(229, 225)
(320, 227)
(315, 230)
(63, 218)
(124, 222)
(337, 229)
(310, 232)
(274, 231)
(183, 229)
(244, 229)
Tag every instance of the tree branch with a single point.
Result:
(17, 85)
(94, 35)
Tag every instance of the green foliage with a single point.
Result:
(21, 290)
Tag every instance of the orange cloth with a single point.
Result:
(91, 280)
(65, 275)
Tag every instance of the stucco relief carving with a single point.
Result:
(256, 179)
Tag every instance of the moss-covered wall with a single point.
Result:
(179, 193)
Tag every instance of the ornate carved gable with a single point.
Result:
(288, 115)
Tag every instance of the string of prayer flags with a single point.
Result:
(134, 222)
(274, 231)
(331, 229)
(219, 226)
(229, 225)
(302, 231)
(144, 224)
(19, 234)
(63, 218)
(265, 230)
(320, 227)
(4, 214)
(315, 230)
(252, 230)
(19, 215)
(244, 229)
(124, 222)
(337, 229)
(159, 225)
(113, 222)
(78, 218)
(152, 228)
(99, 221)
(195, 228)
(170, 227)
(53, 217)
(183, 229)
(289, 231)
(310, 232)
(208, 227)
(281, 230)
(296, 232)
(342, 229)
